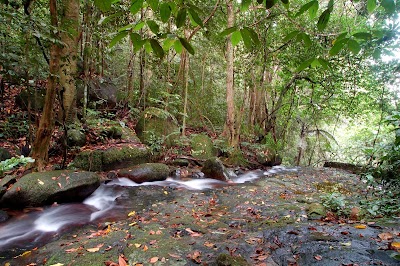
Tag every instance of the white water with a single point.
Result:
(35, 227)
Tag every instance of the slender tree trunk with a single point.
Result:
(69, 37)
(46, 125)
(86, 54)
(230, 92)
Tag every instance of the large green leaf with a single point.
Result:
(253, 35)
(118, 37)
(168, 44)
(157, 49)
(137, 41)
(305, 64)
(246, 38)
(153, 4)
(139, 26)
(291, 35)
(195, 17)
(286, 2)
(181, 17)
(324, 63)
(178, 46)
(313, 9)
(363, 35)
(306, 39)
(338, 46)
(165, 11)
(228, 31)
(353, 46)
(324, 19)
(244, 5)
(305, 7)
(389, 6)
(153, 26)
(269, 3)
(236, 38)
(136, 6)
(371, 5)
(103, 5)
(187, 45)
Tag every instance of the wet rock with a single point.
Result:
(180, 162)
(228, 260)
(157, 125)
(215, 169)
(147, 172)
(112, 158)
(4, 154)
(3, 216)
(37, 189)
(76, 138)
(5, 183)
(315, 211)
(202, 147)
(268, 158)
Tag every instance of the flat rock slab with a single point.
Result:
(38, 189)
(147, 172)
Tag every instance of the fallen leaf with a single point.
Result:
(59, 184)
(137, 245)
(153, 260)
(360, 226)
(385, 236)
(318, 257)
(110, 263)
(395, 245)
(40, 182)
(346, 244)
(176, 256)
(92, 249)
(26, 253)
(131, 213)
(122, 261)
(145, 248)
(209, 244)
(57, 264)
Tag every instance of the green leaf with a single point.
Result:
(118, 37)
(389, 6)
(246, 38)
(153, 4)
(137, 41)
(153, 26)
(312, 12)
(136, 6)
(338, 46)
(244, 5)
(165, 11)
(139, 26)
(290, 36)
(181, 18)
(260, 1)
(236, 38)
(253, 35)
(353, 46)
(341, 36)
(363, 35)
(103, 5)
(305, 64)
(306, 39)
(168, 44)
(269, 3)
(195, 17)
(304, 8)
(157, 49)
(315, 63)
(178, 46)
(228, 31)
(324, 63)
(127, 27)
(187, 45)
(147, 47)
(371, 5)
(324, 19)
(285, 2)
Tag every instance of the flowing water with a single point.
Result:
(36, 228)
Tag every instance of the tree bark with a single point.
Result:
(46, 125)
(69, 37)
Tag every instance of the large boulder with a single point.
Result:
(32, 98)
(112, 158)
(4, 154)
(148, 172)
(202, 147)
(215, 169)
(155, 125)
(37, 189)
(76, 138)
(102, 92)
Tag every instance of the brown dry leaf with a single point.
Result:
(385, 236)
(152, 242)
(395, 245)
(131, 213)
(121, 260)
(262, 257)
(176, 256)
(59, 184)
(195, 256)
(360, 226)
(137, 245)
(153, 260)
(145, 248)
(110, 263)
(152, 232)
(318, 257)
(93, 249)
(192, 233)
(209, 244)
(71, 250)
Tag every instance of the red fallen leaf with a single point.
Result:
(345, 232)
(152, 242)
(121, 260)
(110, 263)
(312, 228)
(152, 232)
(108, 248)
(318, 257)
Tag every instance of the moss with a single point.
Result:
(228, 260)
(202, 147)
(89, 160)
(237, 158)
(330, 187)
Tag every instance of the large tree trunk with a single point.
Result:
(230, 92)
(69, 37)
(43, 135)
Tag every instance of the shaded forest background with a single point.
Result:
(302, 81)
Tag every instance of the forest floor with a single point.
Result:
(266, 222)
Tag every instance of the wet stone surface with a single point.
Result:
(264, 222)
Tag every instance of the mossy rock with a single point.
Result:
(202, 147)
(112, 158)
(228, 260)
(148, 172)
(315, 211)
(76, 138)
(156, 124)
(37, 189)
(215, 169)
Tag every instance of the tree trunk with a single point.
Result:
(230, 93)
(46, 124)
(69, 37)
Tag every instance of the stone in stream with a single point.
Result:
(147, 172)
(215, 169)
(38, 189)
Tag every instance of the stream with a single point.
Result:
(110, 201)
